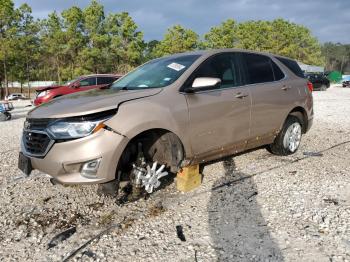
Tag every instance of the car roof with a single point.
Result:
(211, 52)
(100, 75)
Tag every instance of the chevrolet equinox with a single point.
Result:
(170, 112)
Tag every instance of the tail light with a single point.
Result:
(310, 86)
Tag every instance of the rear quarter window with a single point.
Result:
(291, 65)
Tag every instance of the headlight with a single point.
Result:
(43, 93)
(71, 130)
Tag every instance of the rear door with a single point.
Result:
(103, 81)
(219, 118)
(272, 94)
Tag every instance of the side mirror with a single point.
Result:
(204, 83)
(76, 85)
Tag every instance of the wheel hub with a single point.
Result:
(149, 177)
(292, 137)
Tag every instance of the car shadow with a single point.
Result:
(237, 228)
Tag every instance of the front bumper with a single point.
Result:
(64, 160)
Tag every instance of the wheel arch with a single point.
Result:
(301, 114)
(160, 144)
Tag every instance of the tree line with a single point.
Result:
(337, 57)
(81, 41)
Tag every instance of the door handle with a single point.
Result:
(240, 95)
(285, 88)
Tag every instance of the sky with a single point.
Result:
(328, 20)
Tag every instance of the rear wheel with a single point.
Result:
(288, 140)
(323, 88)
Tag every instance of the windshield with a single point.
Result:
(156, 73)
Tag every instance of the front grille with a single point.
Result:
(37, 124)
(36, 143)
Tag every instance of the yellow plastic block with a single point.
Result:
(188, 178)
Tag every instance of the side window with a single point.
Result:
(88, 81)
(104, 80)
(292, 66)
(259, 68)
(277, 72)
(220, 66)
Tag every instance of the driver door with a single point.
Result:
(219, 118)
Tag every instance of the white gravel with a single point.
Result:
(271, 208)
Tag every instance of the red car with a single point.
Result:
(83, 83)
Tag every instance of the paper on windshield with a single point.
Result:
(176, 66)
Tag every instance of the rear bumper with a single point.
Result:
(64, 160)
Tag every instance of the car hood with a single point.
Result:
(43, 88)
(88, 102)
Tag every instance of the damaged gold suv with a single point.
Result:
(171, 112)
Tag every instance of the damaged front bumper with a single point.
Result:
(68, 162)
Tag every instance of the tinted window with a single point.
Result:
(88, 81)
(292, 66)
(277, 71)
(221, 66)
(105, 80)
(259, 68)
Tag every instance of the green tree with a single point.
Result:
(337, 57)
(74, 28)
(76, 41)
(95, 53)
(8, 31)
(295, 41)
(54, 44)
(177, 40)
(278, 36)
(149, 49)
(222, 36)
(27, 46)
(126, 43)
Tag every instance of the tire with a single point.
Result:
(8, 115)
(323, 88)
(288, 140)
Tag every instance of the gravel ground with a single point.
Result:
(253, 207)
